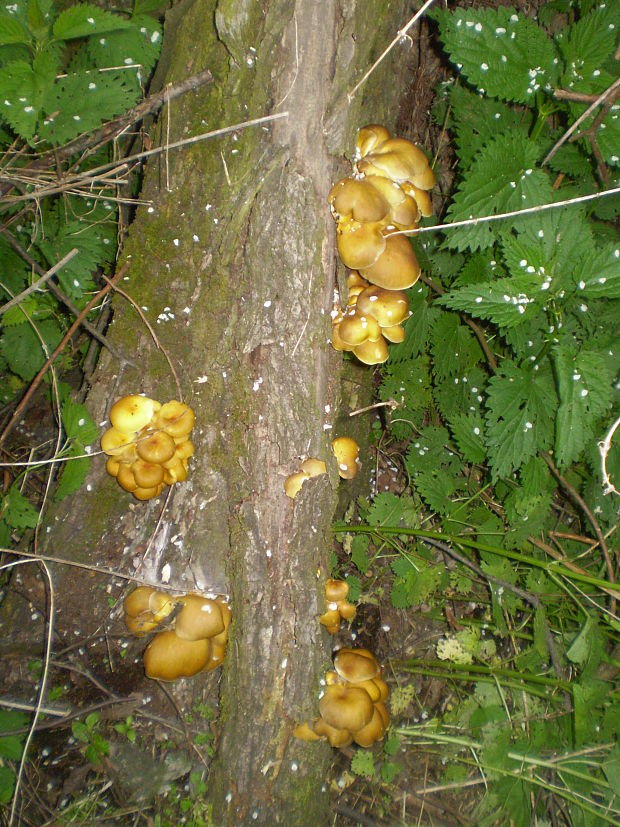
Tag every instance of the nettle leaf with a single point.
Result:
(85, 20)
(391, 510)
(77, 422)
(17, 511)
(21, 347)
(73, 473)
(363, 763)
(461, 394)
(506, 302)
(417, 327)
(429, 450)
(585, 390)
(82, 101)
(455, 348)
(571, 160)
(468, 431)
(505, 55)
(521, 407)
(501, 178)
(24, 90)
(438, 487)
(479, 268)
(12, 30)
(359, 552)
(598, 275)
(586, 44)
(535, 477)
(138, 44)
(408, 384)
(477, 119)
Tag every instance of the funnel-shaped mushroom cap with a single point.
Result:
(346, 707)
(346, 451)
(147, 474)
(396, 268)
(355, 665)
(147, 493)
(125, 477)
(357, 327)
(335, 590)
(355, 198)
(156, 447)
(337, 341)
(305, 732)
(138, 601)
(394, 334)
(168, 657)
(337, 738)
(401, 160)
(373, 731)
(199, 618)
(389, 307)
(176, 418)
(372, 353)
(132, 413)
(359, 244)
(421, 197)
(369, 138)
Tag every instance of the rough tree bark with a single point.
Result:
(238, 244)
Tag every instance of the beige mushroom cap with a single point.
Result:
(373, 731)
(356, 665)
(389, 307)
(133, 413)
(359, 244)
(401, 161)
(168, 657)
(176, 418)
(346, 451)
(346, 707)
(147, 474)
(199, 618)
(369, 137)
(337, 341)
(293, 483)
(356, 198)
(358, 327)
(156, 447)
(117, 444)
(395, 334)
(372, 353)
(335, 590)
(337, 738)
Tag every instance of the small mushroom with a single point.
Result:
(147, 474)
(359, 244)
(389, 307)
(133, 413)
(372, 353)
(356, 665)
(156, 447)
(117, 444)
(338, 738)
(369, 138)
(175, 418)
(395, 334)
(358, 327)
(305, 732)
(396, 268)
(346, 707)
(346, 451)
(293, 483)
(199, 618)
(374, 729)
(400, 160)
(357, 199)
(169, 657)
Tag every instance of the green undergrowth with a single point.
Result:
(505, 385)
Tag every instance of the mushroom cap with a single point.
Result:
(395, 334)
(293, 483)
(132, 413)
(125, 477)
(401, 160)
(313, 467)
(421, 197)
(358, 327)
(112, 466)
(200, 617)
(337, 738)
(117, 444)
(396, 268)
(337, 342)
(137, 601)
(389, 307)
(156, 447)
(331, 620)
(141, 625)
(372, 353)
(175, 470)
(373, 731)
(347, 610)
(356, 665)
(404, 210)
(356, 198)
(346, 451)
(168, 657)
(335, 590)
(185, 449)
(305, 732)
(147, 474)
(359, 244)
(346, 707)
(161, 604)
(147, 493)
(218, 651)
(176, 418)
(221, 638)
(355, 280)
(369, 137)
(373, 689)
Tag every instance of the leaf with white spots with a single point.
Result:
(138, 44)
(428, 450)
(85, 20)
(468, 431)
(77, 422)
(585, 390)
(521, 403)
(598, 275)
(24, 89)
(455, 348)
(417, 327)
(507, 302)
(73, 473)
(502, 177)
(503, 54)
(12, 30)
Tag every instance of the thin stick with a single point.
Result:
(483, 219)
(19, 410)
(39, 282)
(604, 448)
(399, 36)
(580, 120)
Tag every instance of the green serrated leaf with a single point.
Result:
(598, 275)
(389, 509)
(73, 473)
(502, 177)
(505, 55)
(12, 30)
(437, 489)
(17, 511)
(138, 44)
(80, 731)
(77, 422)
(359, 552)
(355, 587)
(86, 20)
(611, 768)
(417, 329)
(507, 302)
(580, 649)
(7, 784)
(22, 349)
(11, 747)
(468, 431)
(363, 763)
(24, 89)
(429, 450)
(455, 348)
(521, 407)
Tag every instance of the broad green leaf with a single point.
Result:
(580, 648)
(24, 89)
(11, 747)
(505, 55)
(21, 348)
(77, 422)
(355, 587)
(12, 30)
(362, 763)
(468, 430)
(7, 784)
(598, 276)
(417, 328)
(506, 302)
(73, 473)
(390, 510)
(455, 348)
(359, 552)
(521, 406)
(17, 511)
(461, 394)
(138, 44)
(408, 384)
(86, 20)
(502, 177)
(429, 451)
(437, 489)
(586, 44)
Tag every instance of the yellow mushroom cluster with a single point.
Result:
(387, 193)
(338, 607)
(310, 467)
(352, 708)
(197, 641)
(346, 451)
(148, 444)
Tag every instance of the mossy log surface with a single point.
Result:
(238, 244)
